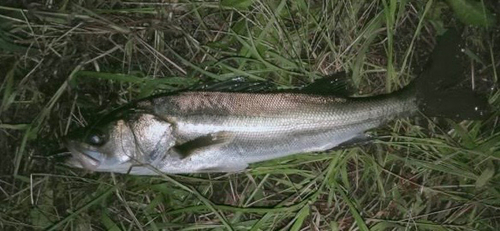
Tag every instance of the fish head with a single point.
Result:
(120, 144)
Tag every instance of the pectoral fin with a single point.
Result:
(203, 142)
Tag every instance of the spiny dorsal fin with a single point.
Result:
(238, 84)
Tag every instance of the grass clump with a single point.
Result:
(66, 62)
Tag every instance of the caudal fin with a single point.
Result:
(440, 89)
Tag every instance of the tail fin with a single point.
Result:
(440, 89)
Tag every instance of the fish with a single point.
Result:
(218, 130)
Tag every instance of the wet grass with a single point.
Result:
(65, 63)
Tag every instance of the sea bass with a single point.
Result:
(217, 131)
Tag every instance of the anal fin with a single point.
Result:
(221, 169)
(358, 140)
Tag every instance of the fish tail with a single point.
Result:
(440, 88)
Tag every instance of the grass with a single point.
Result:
(65, 63)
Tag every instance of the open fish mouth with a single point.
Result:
(82, 157)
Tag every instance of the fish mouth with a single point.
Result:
(82, 156)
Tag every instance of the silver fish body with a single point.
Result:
(225, 131)
(268, 126)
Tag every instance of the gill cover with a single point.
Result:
(122, 145)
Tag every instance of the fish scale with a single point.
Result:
(297, 123)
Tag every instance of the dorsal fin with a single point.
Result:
(337, 84)
(237, 84)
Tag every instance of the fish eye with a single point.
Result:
(96, 138)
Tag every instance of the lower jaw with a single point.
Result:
(84, 160)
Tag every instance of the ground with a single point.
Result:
(65, 63)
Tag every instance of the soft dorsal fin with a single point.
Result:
(337, 84)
